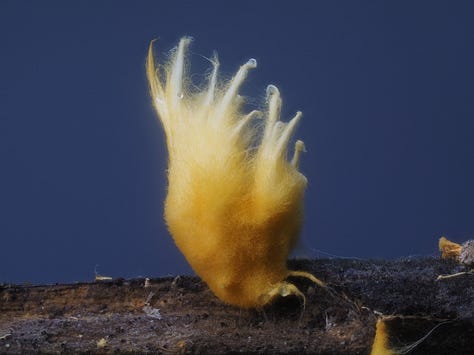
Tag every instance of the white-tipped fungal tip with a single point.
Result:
(279, 126)
(251, 63)
(272, 90)
(299, 146)
(297, 116)
(185, 41)
(254, 115)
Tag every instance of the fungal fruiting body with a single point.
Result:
(462, 253)
(381, 340)
(235, 204)
(449, 249)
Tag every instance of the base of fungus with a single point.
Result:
(285, 289)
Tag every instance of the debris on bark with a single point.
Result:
(181, 315)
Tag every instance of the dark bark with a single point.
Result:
(113, 316)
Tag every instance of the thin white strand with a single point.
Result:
(236, 82)
(287, 133)
(177, 72)
(274, 106)
(212, 82)
(244, 121)
(299, 148)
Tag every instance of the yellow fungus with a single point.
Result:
(235, 203)
(380, 345)
(102, 343)
(449, 249)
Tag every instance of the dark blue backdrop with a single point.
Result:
(386, 89)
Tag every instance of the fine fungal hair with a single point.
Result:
(235, 202)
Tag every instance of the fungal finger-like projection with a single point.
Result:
(235, 201)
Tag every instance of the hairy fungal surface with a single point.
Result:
(235, 202)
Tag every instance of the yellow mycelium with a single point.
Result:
(449, 249)
(380, 345)
(235, 204)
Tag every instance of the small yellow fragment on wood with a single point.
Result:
(380, 345)
(103, 278)
(102, 343)
(99, 277)
(449, 249)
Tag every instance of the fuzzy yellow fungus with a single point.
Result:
(380, 345)
(235, 203)
(449, 249)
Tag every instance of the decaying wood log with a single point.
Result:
(180, 315)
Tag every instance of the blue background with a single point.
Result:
(386, 89)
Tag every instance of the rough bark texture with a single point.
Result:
(122, 315)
